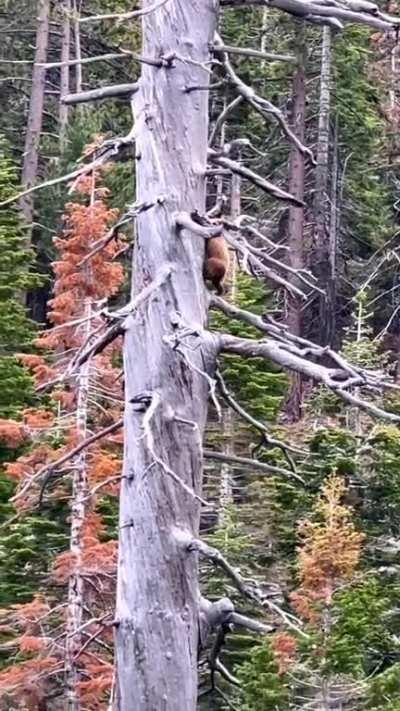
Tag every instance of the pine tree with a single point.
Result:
(16, 331)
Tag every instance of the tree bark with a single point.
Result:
(321, 197)
(295, 228)
(35, 116)
(157, 595)
(64, 83)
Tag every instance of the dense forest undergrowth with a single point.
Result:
(199, 355)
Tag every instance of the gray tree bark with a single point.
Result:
(35, 116)
(321, 195)
(158, 596)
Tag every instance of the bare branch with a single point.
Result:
(349, 11)
(301, 274)
(104, 92)
(223, 116)
(118, 329)
(98, 346)
(249, 624)
(124, 54)
(245, 52)
(267, 439)
(113, 232)
(254, 463)
(107, 151)
(185, 221)
(263, 106)
(148, 434)
(124, 15)
(214, 661)
(67, 456)
(337, 380)
(250, 254)
(254, 178)
(218, 559)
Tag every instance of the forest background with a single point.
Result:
(303, 488)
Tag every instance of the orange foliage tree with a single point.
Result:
(61, 642)
(327, 561)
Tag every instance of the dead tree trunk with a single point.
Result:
(333, 235)
(158, 596)
(295, 226)
(35, 117)
(321, 196)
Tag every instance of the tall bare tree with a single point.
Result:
(158, 596)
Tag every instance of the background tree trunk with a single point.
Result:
(64, 79)
(158, 596)
(35, 117)
(228, 416)
(296, 218)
